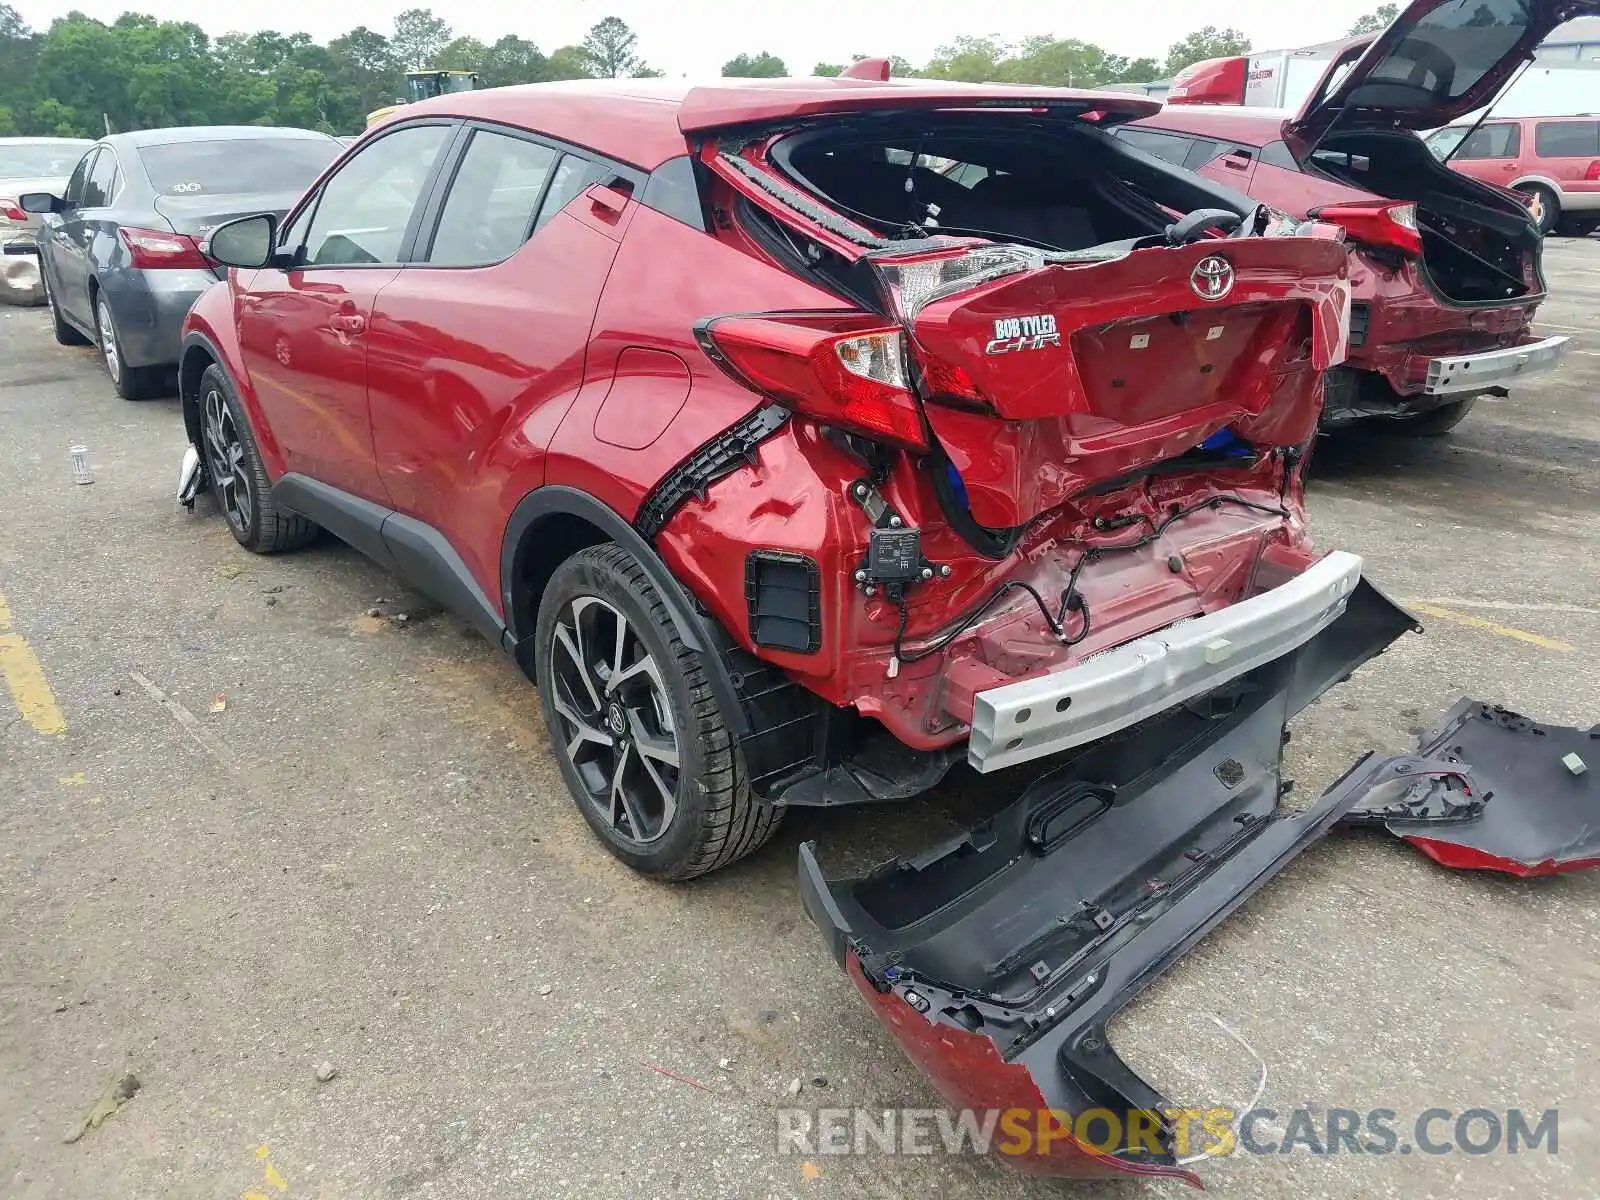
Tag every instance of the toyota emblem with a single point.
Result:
(1212, 278)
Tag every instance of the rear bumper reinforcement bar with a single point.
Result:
(1080, 704)
(1491, 368)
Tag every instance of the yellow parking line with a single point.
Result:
(1521, 635)
(30, 691)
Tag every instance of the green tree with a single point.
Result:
(568, 62)
(762, 66)
(608, 49)
(419, 37)
(1378, 19)
(969, 59)
(364, 73)
(1202, 44)
(463, 54)
(513, 60)
(824, 70)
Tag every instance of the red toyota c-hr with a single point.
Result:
(803, 438)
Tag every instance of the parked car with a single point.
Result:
(1553, 161)
(794, 471)
(120, 254)
(1445, 269)
(26, 165)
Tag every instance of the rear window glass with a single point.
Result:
(236, 167)
(1567, 139)
(1447, 53)
(39, 162)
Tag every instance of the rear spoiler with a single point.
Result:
(766, 102)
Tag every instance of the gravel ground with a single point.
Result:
(364, 860)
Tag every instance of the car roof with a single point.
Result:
(1236, 122)
(211, 133)
(645, 122)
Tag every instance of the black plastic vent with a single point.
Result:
(785, 597)
(1360, 317)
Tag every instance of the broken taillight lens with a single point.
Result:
(1387, 226)
(846, 370)
(914, 281)
(151, 249)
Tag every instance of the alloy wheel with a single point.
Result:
(616, 717)
(225, 459)
(108, 341)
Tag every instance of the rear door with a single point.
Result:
(303, 332)
(488, 324)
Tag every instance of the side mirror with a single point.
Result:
(247, 242)
(40, 202)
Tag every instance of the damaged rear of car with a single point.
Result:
(1067, 408)
(1056, 441)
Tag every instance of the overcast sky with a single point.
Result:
(695, 37)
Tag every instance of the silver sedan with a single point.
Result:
(119, 247)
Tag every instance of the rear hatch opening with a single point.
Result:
(1478, 246)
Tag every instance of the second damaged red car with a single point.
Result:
(796, 466)
(1445, 269)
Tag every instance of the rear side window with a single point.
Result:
(236, 166)
(1203, 151)
(1492, 141)
(490, 210)
(571, 177)
(365, 208)
(1567, 139)
(1168, 146)
(102, 184)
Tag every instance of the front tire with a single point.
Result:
(236, 477)
(132, 383)
(633, 722)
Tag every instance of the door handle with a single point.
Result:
(348, 323)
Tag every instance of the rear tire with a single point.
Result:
(633, 722)
(66, 333)
(132, 383)
(1433, 423)
(235, 476)
(1544, 206)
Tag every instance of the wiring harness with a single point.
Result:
(1072, 601)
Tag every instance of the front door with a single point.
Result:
(68, 255)
(303, 331)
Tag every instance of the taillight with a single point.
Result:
(1388, 226)
(1591, 173)
(150, 249)
(10, 211)
(844, 370)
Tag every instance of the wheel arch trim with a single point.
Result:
(695, 630)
